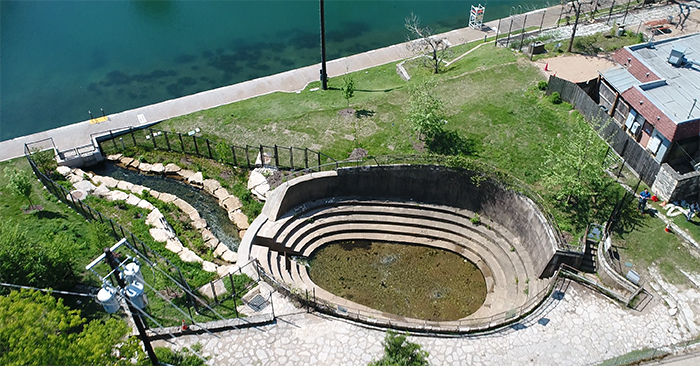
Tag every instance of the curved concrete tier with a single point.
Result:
(513, 245)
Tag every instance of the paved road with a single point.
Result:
(78, 134)
(579, 328)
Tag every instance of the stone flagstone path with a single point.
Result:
(579, 328)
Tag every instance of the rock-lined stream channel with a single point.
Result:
(207, 206)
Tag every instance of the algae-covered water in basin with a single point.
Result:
(408, 280)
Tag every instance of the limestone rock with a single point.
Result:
(117, 196)
(256, 178)
(221, 194)
(230, 256)
(138, 189)
(63, 170)
(220, 249)
(101, 191)
(189, 256)
(124, 185)
(171, 168)
(132, 200)
(85, 185)
(199, 223)
(174, 245)
(207, 235)
(155, 194)
(167, 197)
(196, 179)
(134, 164)
(153, 218)
(157, 168)
(211, 185)
(76, 195)
(109, 182)
(261, 191)
(159, 235)
(212, 243)
(226, 269)
(209, 266)
(145, 205)
(241, 233)
(239, 219)
(185, 173)
(145, 167)
(231, 203)
(114, 157)
(125, 160)
(194, 215)
(75, 178)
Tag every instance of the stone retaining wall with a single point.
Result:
(428, 184)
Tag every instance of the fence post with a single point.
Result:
(213, 291)
(209, 148)
(262, 156)
(111, 135)
(247, 157)
(318, 155)
(277, 159)
(235, 294)
(522, 33)
(153, 137)
(196, 148)
(233, 153)
(182, 143)
(291, 157)
(131, 129)
(111, 223)
(167, 141)
(306, 158)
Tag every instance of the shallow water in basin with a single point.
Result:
(407, 280)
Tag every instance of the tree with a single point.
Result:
(400, 352)
(575, 172)
(422, 40)
(348, 87)
(19, 182)
(44, 160)
(684, 11)
(426, 111)
(38, 329)
(48, 263)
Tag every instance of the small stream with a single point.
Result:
(208, 206)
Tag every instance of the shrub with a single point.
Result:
(555, 98)
(476, 220)
(542, 85)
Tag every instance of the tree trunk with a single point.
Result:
(573, 31)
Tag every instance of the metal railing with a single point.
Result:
(248, 156)
(376, 318)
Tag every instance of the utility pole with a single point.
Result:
(573, 30)
(136, 315)
(324, 74)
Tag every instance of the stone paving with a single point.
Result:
(574, 327)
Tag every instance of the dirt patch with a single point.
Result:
(575, 68)
(347, 112)
(357, 154)
(32, 208)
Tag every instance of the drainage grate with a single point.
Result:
(257, 303)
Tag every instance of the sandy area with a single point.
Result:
(575, 67)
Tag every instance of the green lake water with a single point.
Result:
(59, 59)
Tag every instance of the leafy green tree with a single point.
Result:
(426, 111)
(400, 352)
(19, 182)
(348, 87)
(38, 329)
(44, 263)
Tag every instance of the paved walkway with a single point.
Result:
(78, 134)
(580, 327)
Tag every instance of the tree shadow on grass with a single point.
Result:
(49, 215)
(451, 143)
(364, 113)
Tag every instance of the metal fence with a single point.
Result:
(309, 300)
(633, 154)
(248, 156)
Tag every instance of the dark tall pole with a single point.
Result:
(114, 264)
(573, 31)
(324, 75)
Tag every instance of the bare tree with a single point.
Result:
(423, 40)
(575, 5)
(684, 10)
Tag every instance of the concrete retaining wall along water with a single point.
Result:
(426, 184)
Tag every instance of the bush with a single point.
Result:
(542, 85)
(555, 98)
